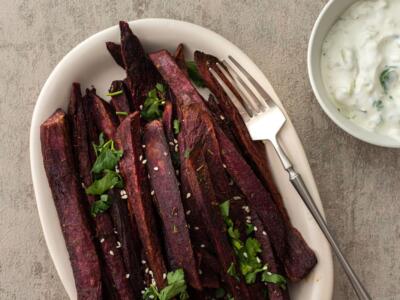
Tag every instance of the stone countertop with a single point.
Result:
(358, 182)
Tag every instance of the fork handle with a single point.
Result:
(301, 188)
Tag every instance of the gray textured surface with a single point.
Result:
(357, 182)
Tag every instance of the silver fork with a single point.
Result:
(264, 119)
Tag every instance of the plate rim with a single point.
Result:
(41, 100)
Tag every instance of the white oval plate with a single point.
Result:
(90, 64)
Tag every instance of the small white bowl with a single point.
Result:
(327, 18)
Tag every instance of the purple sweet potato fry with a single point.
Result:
(103, 115)
(128, 138)
(185, 94)
(167, 123)
(206, 203)
(112, 257)
(178, 82)
(179, 56)
(129, 241)
(141, 74)
(168, 201)
(297, 258)
(267, 255)
(65, 187)
(254, 151)
(121, 102)
(115, 51)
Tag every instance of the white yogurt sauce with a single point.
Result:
(360, 65)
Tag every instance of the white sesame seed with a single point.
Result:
(144, 161)
(143, 262)
(151, 296)
(175, 141)
(140, 107)
(255, 228)
(119, 244)
(83, 185)
(246, 208)
(171, 143)
(200, 271)
(237, 197)
(165, 153)
(258, 259)
(151, 272)
(111, 252)
(245, 254)
(248, 221)
(102, 240)
(222, 117)
(188, 195)
(164, 275)
(176, 148)
(230, 182)
(152, 193)
(146, 270)
(140, 157)
(177, 172)
(143, 146)
(155, 168)
(264, 233)
(196, 228)
(115, 231)
(269, 273)
(127, 275)
(142, 291)
(188, 212)
(125, 196)
(202, 246)
(153, 282)
(224, 165)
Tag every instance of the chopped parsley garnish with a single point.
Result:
(194, 74)
(101, 205)
(219, 293)
(109, 180)
(247, 253)
(378, 104)
(387, 77)
(186, 154)
(176, 287)
(121, 113)
(274, 278)
(249, 228)
(176, 126)
(117, 93)
(107, 158)
(232, 271)
(153, 106)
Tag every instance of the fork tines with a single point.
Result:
(245, 92)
